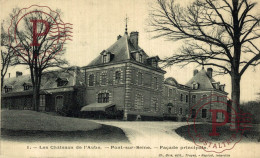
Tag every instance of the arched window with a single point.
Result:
(91, 80)
(117, 76)
(103, 78)
(103, 97)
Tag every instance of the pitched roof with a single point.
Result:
(204, 81)
(48, 81)
(120, 50)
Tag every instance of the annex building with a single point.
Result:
(122, 78)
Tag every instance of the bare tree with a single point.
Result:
(219, 33)
(38, 42)
(7, 55)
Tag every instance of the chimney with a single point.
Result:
(209, 72)
(195, 72)
(134, 39)
(18, 73)
(118, 37)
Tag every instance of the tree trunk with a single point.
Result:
(36, 98)
(235, 97)
(2, 83)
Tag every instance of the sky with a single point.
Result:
(96, 25)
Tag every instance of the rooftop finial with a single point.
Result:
(202, 61)
(126, 19)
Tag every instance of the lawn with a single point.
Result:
(252, 135)
(25, 125)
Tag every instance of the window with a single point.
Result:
(193, 98)
(62, 82)
(104, 58)
(187, 98)
(91, 80)
(103, 97)
(27, 87)
(103, 79)
(140, 58)
(139, 102)
(8, 89)
(140, 78)
(170, 92)
(204, 113)
(181, 111)
(155, 83)
(155, 104)
(181, 97)
(195, 86)
(117, 76)
(193, 113)
(59, 102)
(169, 110)
(42, 100)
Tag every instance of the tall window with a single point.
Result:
(170, 92)
(193, 98)
(91, 80)
(193, 113)
(181, 97)
(103, 79)
(169, 110)
(181, 111)
(42, 100)
(187, 99)
(103, 97)
(104, 58)
(140, 58)
(139, 102)
(204, 113)
(140, 78)
(155, 83)
(117, 76)
(155, 104)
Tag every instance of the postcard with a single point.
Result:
(130, 78)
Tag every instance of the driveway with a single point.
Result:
(149, 132)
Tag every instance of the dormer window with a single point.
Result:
(215, 85)
(27, 86)
(106, 56)
(222, 87)
(153, 61)
(195, 86)
(8, 89)
(62, 82)
(140, 58)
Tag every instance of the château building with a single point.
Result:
(122, 78)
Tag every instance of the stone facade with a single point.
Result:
(135, 83)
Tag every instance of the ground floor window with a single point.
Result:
(169, 110)
(42, 100)
(103, 97)
(193, 113)
(204, 113)
(181, 111)
(59, 102)
(139, 102)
